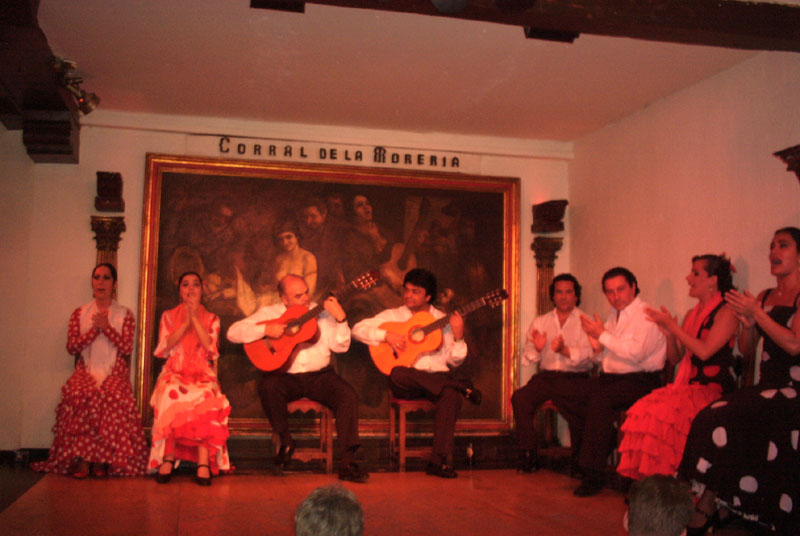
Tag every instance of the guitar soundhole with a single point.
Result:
(292, 328)
(416, 335)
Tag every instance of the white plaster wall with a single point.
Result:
(16, 201)
(691, 174)
(49, 251)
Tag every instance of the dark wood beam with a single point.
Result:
(32, 97)
(723, 23)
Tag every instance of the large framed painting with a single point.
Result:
(243, 225)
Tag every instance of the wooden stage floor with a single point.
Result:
(479, 502)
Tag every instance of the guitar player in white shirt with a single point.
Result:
(307, 374)
(429, 375)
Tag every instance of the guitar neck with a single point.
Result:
(464, 310)
(319, 308)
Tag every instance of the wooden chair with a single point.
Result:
(545, 422)
(398, 410)
(325, 449)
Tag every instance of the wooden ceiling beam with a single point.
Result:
(756, 25)
(32, 98)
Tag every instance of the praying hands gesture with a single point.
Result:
(100, 320)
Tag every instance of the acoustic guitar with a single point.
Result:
(423, 333)
(301, 325)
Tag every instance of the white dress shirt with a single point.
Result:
(580, 349)
(451, 352)
(333, 337)
(632, 342)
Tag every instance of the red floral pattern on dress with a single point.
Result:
(188, 407)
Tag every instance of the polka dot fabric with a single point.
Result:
(744, 447)
(98, 423)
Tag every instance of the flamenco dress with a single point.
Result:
(744, 447)
(97, 420)
(189, 409)
(656, 426)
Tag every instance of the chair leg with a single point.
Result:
(402, 440)
(392, 434)
(328, 430)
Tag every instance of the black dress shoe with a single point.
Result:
(589, 487)
(353, 473)
(441, 470)
(284, 455)
(528, 463)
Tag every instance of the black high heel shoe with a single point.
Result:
(163, 478)
(203, 480)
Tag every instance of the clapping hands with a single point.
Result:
(666, 322)
(538, 339)
(744, 306)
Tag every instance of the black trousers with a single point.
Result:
(447, 395)
(593, 412)
(543, 386)
(277, 389)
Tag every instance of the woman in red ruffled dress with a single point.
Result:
(98, 428)
(656, 426)
(190, 413)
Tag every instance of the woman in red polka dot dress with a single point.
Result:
(190, 412)
(98, 428)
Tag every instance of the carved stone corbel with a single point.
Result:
(544, 251)
(107, 231)
(547, 218)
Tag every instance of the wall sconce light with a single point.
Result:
(87, 102)
(65, 68)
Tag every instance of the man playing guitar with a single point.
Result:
(429, 376)
(307, 373)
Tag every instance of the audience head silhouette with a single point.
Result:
(329, 511)
(659, 505)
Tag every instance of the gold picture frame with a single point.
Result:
(218, 217)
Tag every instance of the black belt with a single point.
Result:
(630, 374)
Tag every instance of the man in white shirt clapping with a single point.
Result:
(557, 342)
(632, 360)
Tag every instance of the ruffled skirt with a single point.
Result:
(656, 426)
(97, 424)
(189, 413)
